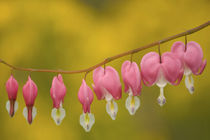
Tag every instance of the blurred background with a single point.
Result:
(76, 34)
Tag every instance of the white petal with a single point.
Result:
(161, 99)
(8, 106)
(16, 106)
(25, 113)
(34, 112)
(58, 115)
(108, 96)
(189, 83)
(112, 108)
(161, 81)
(187, 71)
(86, 121)
(132, 104)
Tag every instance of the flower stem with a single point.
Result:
(109, 59)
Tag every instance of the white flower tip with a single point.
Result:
(58, 115)
(86, 121)
(8, 108)
(191, 90)
(16, 106)
(189, 83)
(25, 113)
(112, 109)
(161, 100)
(132, 104)
(34, 112)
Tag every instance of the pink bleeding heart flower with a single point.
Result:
(132, 81)
(107, 86)
(85, 96)
(58, 92)
(192, 60)
(29, 94)
(160, 71)
(12, 90)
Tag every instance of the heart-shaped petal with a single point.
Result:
(131, 77)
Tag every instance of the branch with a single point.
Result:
(109, 59)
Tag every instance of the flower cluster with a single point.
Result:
(184, 59)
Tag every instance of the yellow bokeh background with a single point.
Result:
(76, 34)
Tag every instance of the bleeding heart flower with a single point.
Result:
(132, 80)
(192, 60)
(57, 93)
(107, 86)
(160, 71)
(85, 96)
(12, 90)
(29, 94)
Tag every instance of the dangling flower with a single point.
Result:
(160, 71)
(107, 86)
(12, 90)
(132, 80)
(57, 93)
(192, 60)
(29, 94)
(85, 96)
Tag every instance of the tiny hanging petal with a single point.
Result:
(58, 115)
(112, 109)
(132, 104)
(189, 83)
(161, 99)
(87, 120)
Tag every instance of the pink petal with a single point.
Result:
(12, 88)
(57, 91)
(98, 74)
(150, 66)
(202, 67)
(29, 92)
(131, 77)
(85, 96)
(194, 57)
(178, 48)
(172, 68)
(111, 82)
(108, 80)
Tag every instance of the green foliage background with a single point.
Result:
(76, 34)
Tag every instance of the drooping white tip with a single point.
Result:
(189, 83)
(16, 106)
(86, 121)
(8, 106)
(132, 104)
(112, 109)
(58, 115)
(161, 99)
(25, 113)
